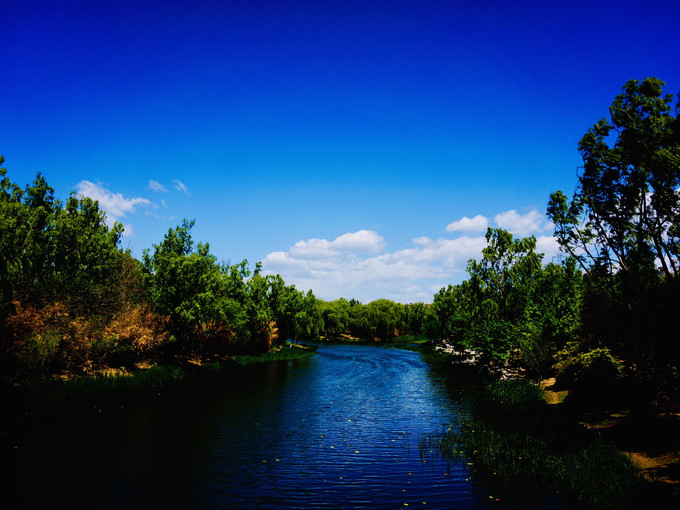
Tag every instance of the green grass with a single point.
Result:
(516, 440)
(282, 353)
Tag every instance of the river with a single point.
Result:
(338, 430)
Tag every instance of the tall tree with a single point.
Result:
(500, 290)
(624, 217)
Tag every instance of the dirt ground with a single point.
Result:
(652, 439)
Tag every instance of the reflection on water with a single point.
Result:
(339, 430)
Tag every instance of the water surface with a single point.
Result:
(338, 430)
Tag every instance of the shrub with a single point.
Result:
(137, 327)
(594, 368)
(42, 351)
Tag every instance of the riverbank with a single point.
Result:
(107, 384)
(650, 437)
(596, 453)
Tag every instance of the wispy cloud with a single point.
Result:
(115, 205)
(357, 264)
(157, 186)
(180, 186)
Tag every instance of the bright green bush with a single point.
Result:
(592, 368)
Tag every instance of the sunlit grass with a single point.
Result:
(282, 353)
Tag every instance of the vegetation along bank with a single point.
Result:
(600, 321)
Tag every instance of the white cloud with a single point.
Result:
(157, 186)
(477, 224)
(115, 205)
(548, 246)
(522, 224)
(353, 266)
(363, 241)
(312, 249)
(422, 241)
(180, 186)
(356, 264)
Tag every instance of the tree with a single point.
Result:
(624, 217)
(309, 318)
(414, 318)
(335, 318)
(623, 225)
(184, 284)
(51, 250)
(450, 319)
(385, 319)
(501, 287)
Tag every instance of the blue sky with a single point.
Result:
(359, 149)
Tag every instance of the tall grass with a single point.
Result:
(515, 439)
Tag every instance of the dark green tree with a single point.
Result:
(384, 318)
(335, 318)
(623, 225)
(309, 318)
(53, 251)
(501, 287)
(450, 319)
(624, 216)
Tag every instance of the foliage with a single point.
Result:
(280, 353)
(50, 337)
(52, 251)
(516, 440)
(182, 283)
(501, 287)
(591, 369)
(510, 302)
(623, 216)
(622, 225)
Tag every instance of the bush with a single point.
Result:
(594, 368)
(43, 351)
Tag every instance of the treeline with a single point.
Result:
(608, 311)
(72, 299)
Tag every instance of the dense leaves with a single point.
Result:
(623, 226)
(623, 217)
(510, 304)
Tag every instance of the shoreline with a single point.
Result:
(650, 440)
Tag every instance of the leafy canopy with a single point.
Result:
(624, 217)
